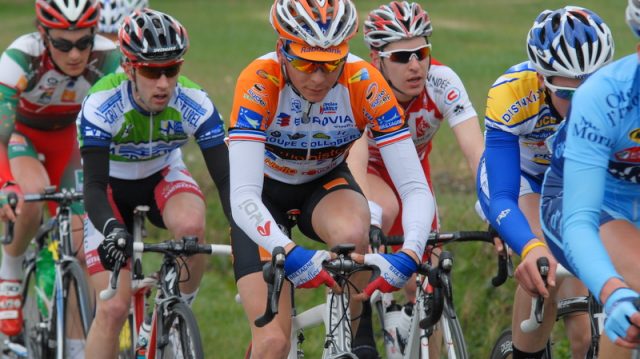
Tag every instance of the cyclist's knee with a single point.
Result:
(352, 233)
(113, 313)
(271, 345)
(579, 334)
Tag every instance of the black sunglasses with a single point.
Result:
(155, 72)
(65, 45)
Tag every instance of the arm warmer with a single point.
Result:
(95, 164)
(217, 160)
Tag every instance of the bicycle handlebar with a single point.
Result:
(187, 247)
(504, 261)
(274, 276)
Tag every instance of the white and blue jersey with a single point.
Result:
(595, 171)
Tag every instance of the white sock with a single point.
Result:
(11, 267)
(189, 298)
(74, 348)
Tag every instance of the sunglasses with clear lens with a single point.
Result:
(565, 93)
(403, 56)
(310, 67)
(155, 72)
(65, 45)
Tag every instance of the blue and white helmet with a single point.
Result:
(570, 42)
(632, 16)
(113, 13)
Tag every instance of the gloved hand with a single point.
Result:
(619, 309)
(6, 212)
(303, 267)
(116, 247)
(395, 270)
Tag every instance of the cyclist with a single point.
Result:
(44, 76)
(398, 36)
(296, 113)
(113, 12)
(590, 192)
(130, 129)
(524, 107)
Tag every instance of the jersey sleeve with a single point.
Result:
(450, 95)
(590, 140)
(200, 117)
(513, 102)
(93, 122)
(254, 100)
(371, 93)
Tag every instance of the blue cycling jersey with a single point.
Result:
(596, 154)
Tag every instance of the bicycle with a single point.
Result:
(46, 321)
(503, 347)
(334, 313)
(173, 327)
(434, 301)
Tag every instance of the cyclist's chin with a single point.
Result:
(314, 95)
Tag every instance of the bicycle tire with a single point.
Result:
(34, 335)
(503, 348)
(457, 337)
(73, 281)
(184, 335)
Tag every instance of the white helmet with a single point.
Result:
(570, 42)
(396, 21)
(67, 14)
(322, 23)
(632, 16)
(113, 13)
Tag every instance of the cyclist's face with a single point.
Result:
(153, 86)
(69, 49)
(561, 104)
(313, 86)
(408, 77)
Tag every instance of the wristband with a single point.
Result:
(531, 246)
(376, 214)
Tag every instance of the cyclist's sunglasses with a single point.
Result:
(403, 56)
(309, 67)
(565, 93)
(65, 45)
(155, 72)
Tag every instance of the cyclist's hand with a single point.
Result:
(303, 267)
(116, 247)
(528, 275)
(623, 319)
(6, 212)
(395, 270)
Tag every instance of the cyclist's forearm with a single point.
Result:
(502, 160)
(95, 162)
(8, 105)
(217, 160)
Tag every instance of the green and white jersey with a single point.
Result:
(142, 143)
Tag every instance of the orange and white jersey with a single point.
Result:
(305, 140)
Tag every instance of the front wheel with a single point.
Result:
(453, 337)
(35, 307)
(183, 334)
(503, 348)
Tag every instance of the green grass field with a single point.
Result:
(479, 39)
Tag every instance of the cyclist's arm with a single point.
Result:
(502, 159)
(469, 137)
(418, 206)
(95, 166)
(357, 160)
(246, 166)
(217, 160)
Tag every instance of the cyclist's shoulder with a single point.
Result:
(24, 48)
(359, 74)
(108, 83)
(519, 78)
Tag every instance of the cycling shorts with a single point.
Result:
(58, 152)
(280, 198)
(125, 195)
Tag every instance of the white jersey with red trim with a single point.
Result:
(443, 97)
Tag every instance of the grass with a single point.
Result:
(479, 39)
